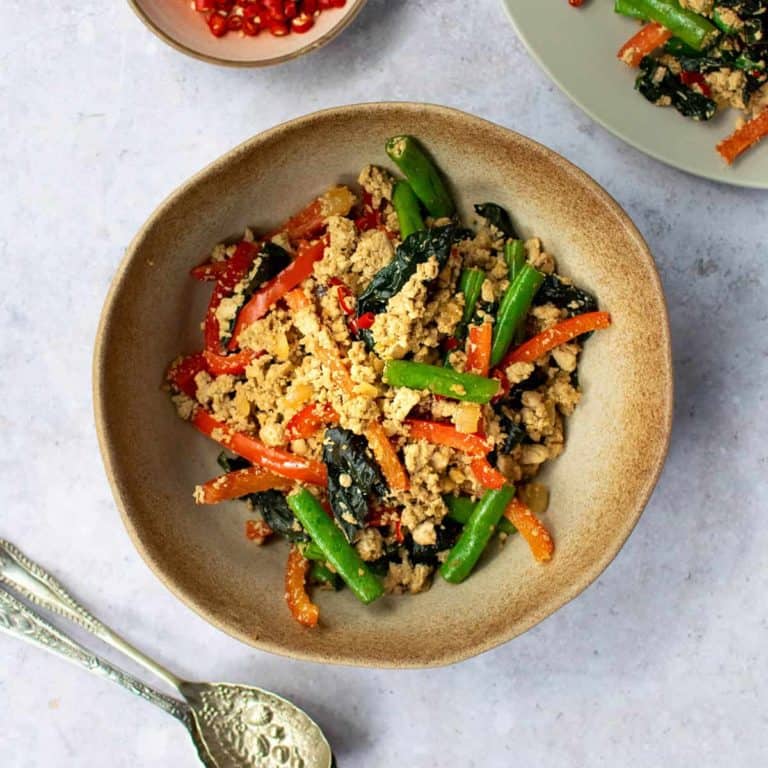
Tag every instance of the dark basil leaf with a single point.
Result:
(564, 295)
(271, 260)
(348, 455)
(414, 250)
(515, 434)
(273, 507)
(231, 463)
(496, 215)
(657, 84)
(447, 533)
(744, 7)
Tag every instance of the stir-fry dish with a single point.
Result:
(387, 383)
(251, 17)
(701, 57)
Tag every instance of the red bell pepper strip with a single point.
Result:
(309, 420)
(646, 41)
(486, 475)
(531, 529)
(443, 434)
(238, 266)
(310, 221)
(181, 374)
(479, 345)
(743, 138)
(232, 364)
(239, 483)
(301, 607)
(553, 337)
(257, 531)
(276, 460)
(210, 270)
(273, 290)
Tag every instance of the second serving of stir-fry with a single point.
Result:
(387, 383)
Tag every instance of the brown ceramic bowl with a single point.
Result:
(617, 439)
(175, 23)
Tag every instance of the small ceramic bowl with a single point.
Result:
(617, 439)
(179, 25)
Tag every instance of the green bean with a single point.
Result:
(422, 175)
(337, 550)
(407, 209)
(460, 509)
(470, 284)
(311, 551)
(441, 381)
(476, 534)
(514, 255)
(322, 574)
(690, 27)
(512, 311)
(627, 9)
(677, 47)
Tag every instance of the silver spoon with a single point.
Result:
(232, 726)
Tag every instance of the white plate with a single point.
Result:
(577, 48)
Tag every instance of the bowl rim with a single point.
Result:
(337, 29)
(586, 576)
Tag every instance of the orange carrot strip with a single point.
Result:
(486, 475)
(479, 349)
(239, 483)
(553, 337)
(743, 138)
(444, 434)
(276, 460)
(386, 456)
(301, 607)
(531, 529)
(647, 40)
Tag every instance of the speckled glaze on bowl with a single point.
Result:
(617, 439)
(175, 23)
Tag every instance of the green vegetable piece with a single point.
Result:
(470, 284)
(441, 381)
(422, 174)
(514, 307)
(722, 23)
(320, 573)
(677, 47)
(690, 27)
(407, 209)
(311, 551)
(460, 509)
(625, 8)
(337, 550)
(497, 216)
(476, 534)
(414, 250)
(514, 255)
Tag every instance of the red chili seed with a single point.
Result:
(290, 9)
(251, 27)
(302, 23)
(366, 321)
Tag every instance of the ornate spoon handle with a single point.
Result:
(18, 620)
(38, 586)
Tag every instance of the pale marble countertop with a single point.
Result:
(661, 662)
